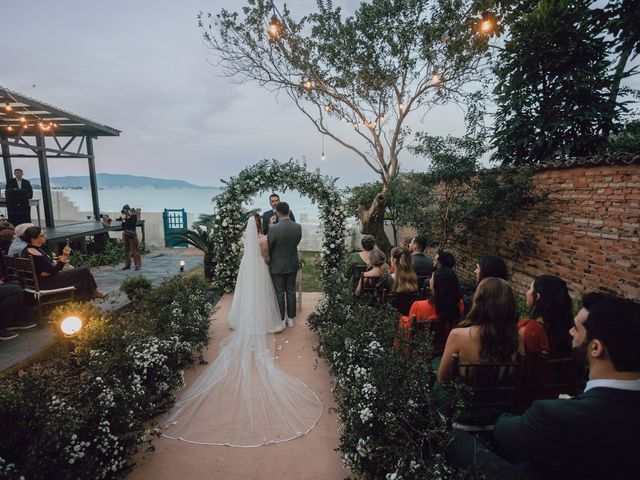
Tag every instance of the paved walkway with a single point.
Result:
(157, 266)
(311, 457)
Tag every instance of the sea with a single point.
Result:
(197, 201)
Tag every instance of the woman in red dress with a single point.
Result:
(445, 305)
(551, 317)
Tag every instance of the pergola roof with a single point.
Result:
(25, 116)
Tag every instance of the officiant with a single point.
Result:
(269, 217)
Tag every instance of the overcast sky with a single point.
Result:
(141, 67)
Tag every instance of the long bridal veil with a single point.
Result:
(243, 398)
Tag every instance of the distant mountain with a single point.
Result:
(113, 180)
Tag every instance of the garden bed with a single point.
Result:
(84, 411)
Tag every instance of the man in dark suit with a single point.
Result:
(19, 183)
(422, 265)
(269, 217)
(593, 436)
(284, 238)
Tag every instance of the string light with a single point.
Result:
(401, 107)
(322, 157)
(275, 27)
(7, 106)
(486, 23)
(307, 85)
(436, 78)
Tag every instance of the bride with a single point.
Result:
(243, 399)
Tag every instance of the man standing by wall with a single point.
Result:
(130, 238)
(19, 183)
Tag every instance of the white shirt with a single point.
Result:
(632, 385)
(19, 182)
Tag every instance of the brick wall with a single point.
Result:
(586, 232)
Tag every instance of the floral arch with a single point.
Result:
(270, 175)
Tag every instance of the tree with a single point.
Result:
(371, 70)
(456, 195)
(553, 85)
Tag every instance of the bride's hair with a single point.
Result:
(258, 220)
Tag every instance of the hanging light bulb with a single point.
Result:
(9, 128)
(436, 78)
(322, 157)
(327, 107)
(275, 27)
(307, 85)
(486, 23)
(23, 119)
(7, 106)
(401, 107)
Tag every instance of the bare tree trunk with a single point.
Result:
(373, 222)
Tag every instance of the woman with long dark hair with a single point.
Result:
(445, 305)
(491, 266)
(551, 317)
(51, 274)
(490, 332)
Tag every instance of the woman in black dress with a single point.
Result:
(50, 273)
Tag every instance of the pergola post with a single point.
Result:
(6, 157)
(43, 166)
(92, 178)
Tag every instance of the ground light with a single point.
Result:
(181, 264)
(70, 326)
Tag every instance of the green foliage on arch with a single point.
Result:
(270, 175)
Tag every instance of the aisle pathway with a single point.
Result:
(311, 457)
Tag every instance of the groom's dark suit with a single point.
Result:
(284, 238)
(594, 436)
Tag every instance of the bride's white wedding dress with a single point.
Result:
(243, 398)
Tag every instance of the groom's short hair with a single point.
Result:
(283, 208)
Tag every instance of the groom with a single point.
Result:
(284, 238)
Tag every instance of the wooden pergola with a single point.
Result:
(30, 128)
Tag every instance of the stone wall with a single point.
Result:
(586, 232)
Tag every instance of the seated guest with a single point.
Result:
(5, 225)
(444, 259)
(592, 436)
(551, 317)
(6, 239)
(18, 244)
(50, 273)
(445, 305)
(405, 279)
(422, 265)
(377, 276)
(11, 309)
(490, 266)
(360, 258)
(490, 332)
(487, 266)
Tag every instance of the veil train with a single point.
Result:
(243, 399)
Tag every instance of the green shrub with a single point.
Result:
(136, 287)
(389, 424)
(85, 414)
(111, 255)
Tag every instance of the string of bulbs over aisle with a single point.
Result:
(486, 25)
